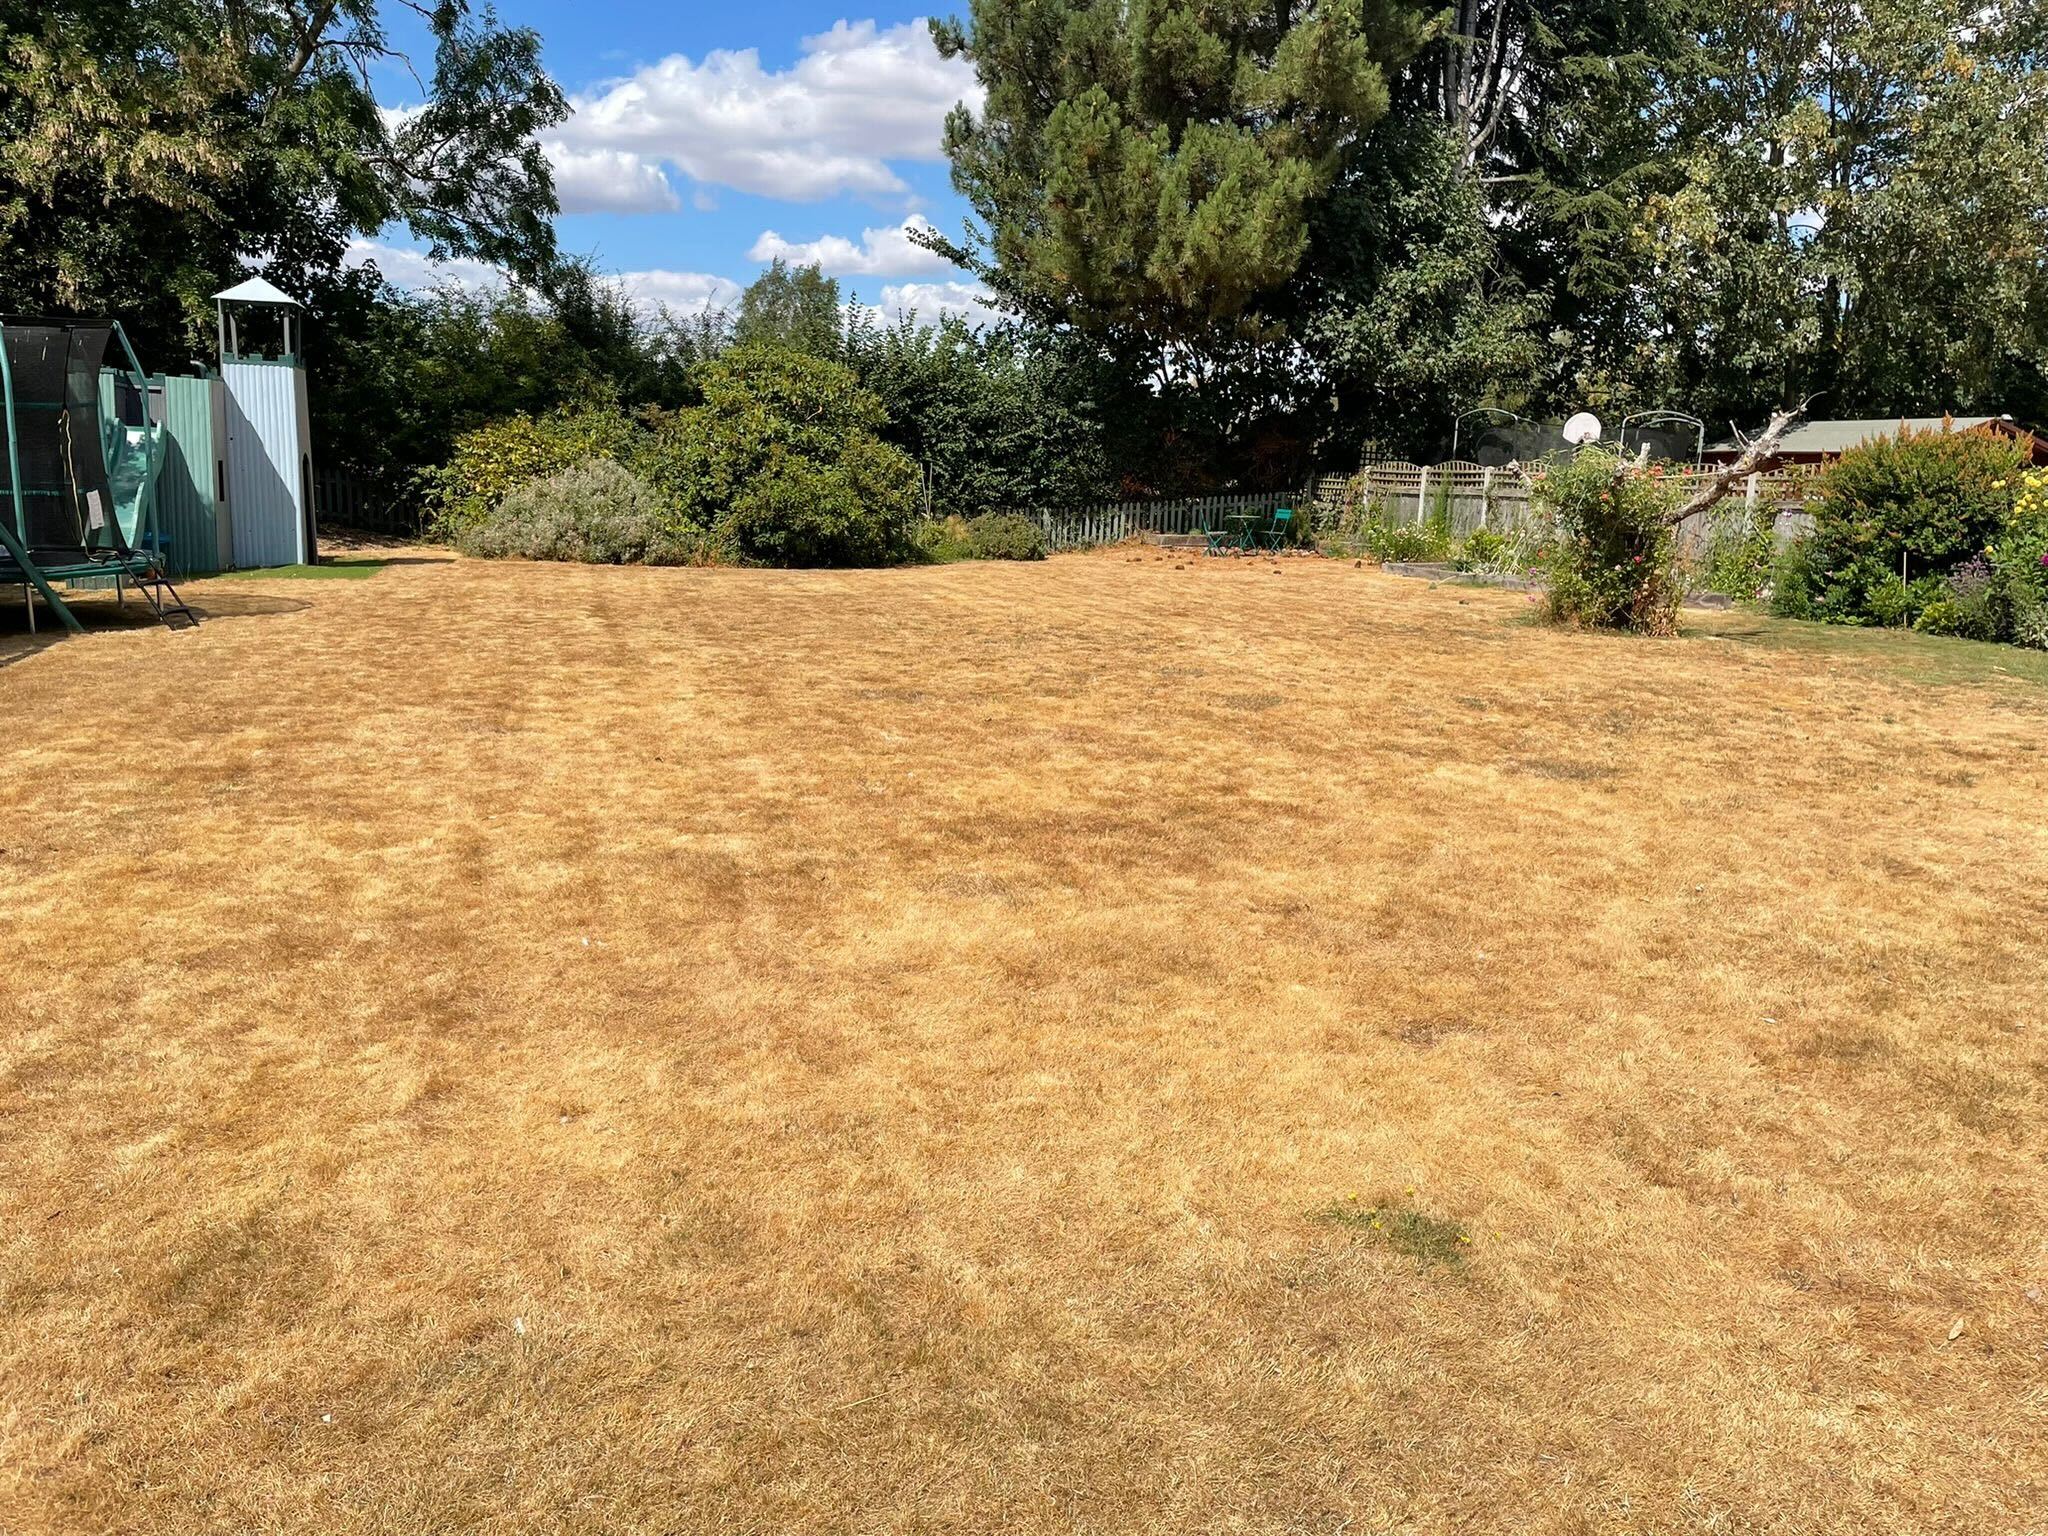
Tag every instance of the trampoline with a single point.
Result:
(78, 495)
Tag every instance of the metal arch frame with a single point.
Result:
(1458, 421)
(1658, 418)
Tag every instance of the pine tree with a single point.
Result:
(1143, 170)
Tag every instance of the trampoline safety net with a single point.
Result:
(67, 505)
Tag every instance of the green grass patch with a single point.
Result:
(1425, 1238)
(326, 570)
(1921, 658)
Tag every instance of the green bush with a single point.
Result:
(596, 511)
(495, 458)
(1005, 536)
(1893, 518)
(2018, 591)
(1791, 581)
(1967, 606)
(1370, 529)
(1402, 542)
(1483, 550)
(1610, 561)
(781, 462)
(942, 540)
(1740, 554)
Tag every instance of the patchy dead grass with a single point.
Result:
(528, 1048)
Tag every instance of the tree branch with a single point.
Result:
(1761, 449)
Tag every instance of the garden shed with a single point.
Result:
(1815, 442)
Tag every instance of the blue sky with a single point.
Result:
(706, 140)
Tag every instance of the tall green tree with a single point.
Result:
(999, 418)
(793, 307)
(1560, 112)
(1408, 313)
(149, 153)
(1864, 211)
(1144, 172)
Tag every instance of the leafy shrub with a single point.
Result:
(1333, 518)
(1965, 607)
(1893, 518)
(1512, 550)
(1483, 550)
(1005, 536)
(495, 458)
(1369, 527)
(1611, 560)
(782, 462)
(1740, 554)
(942, 539)
(596, 511)
(1428, 540)
(2019, 566)
(1791, 581)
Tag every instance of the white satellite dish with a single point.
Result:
(1582, 429)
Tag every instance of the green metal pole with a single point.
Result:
(14, 540)
(13, 447)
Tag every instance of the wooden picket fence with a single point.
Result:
(1110, 522)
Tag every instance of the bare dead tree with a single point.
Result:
(1759, 451)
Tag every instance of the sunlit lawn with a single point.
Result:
(1118, 1044)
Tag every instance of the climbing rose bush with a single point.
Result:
(1609, 555)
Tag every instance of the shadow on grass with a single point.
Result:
(1937, 659)
(100, 613)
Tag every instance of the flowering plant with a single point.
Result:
(1610, 562)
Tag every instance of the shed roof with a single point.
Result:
(1831, 437)
(256, 291)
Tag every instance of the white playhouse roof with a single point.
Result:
(256, 291)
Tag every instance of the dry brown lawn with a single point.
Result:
(532, 1049)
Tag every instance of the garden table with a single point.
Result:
(1243, 537)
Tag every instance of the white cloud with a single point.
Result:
(404, 268)
(931, 300)
(859, 97)
(880, 252)
(609, 181)
(683, 292)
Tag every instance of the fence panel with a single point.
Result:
(1109, 522)
(1470, 496)
(342, 501)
